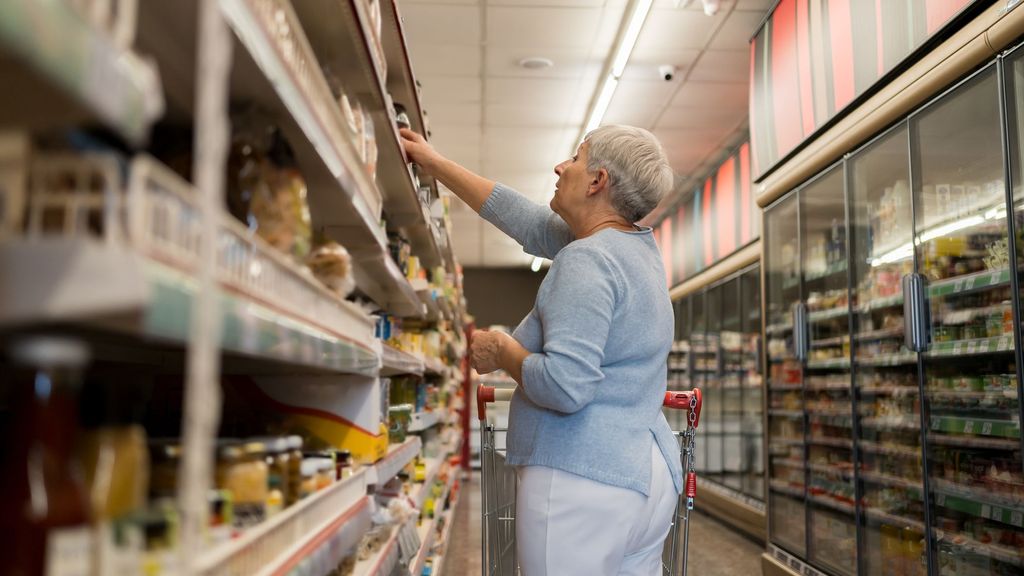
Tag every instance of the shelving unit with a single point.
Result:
(143, 259)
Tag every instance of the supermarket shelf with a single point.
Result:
(778, 328)
(883, 334)
(828, 314)
(881, 303)
(446, 535)
(361, 71)
(889, 390)
(831, 469)
(67, 71)
(784, 488)
(138, 277)
(423, 488)
(830, 270)
(974, 442)
(428, 531)
(344, 202)
(789, 463)
(401, 83)
(430, 303)
(970, 394)
(824, 387)
(829, 342)
(397, 457)
(980, 426)
(834, 442)
(958, 348)
(887, 480)
(969, 283)
(830, 364)
(434, 366)
(384, 562)
(831, 503)
(785, 387)
(993, 551)
(889, 360)
(902, 451)
(280, 542)
(786, 413)
(425, 420)
(978, 502)
(892, 422)
(884, 517)
(396, 362)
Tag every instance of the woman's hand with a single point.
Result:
(418, 150)
(486, 350)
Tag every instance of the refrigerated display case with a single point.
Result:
(912, 446)
(718, 349)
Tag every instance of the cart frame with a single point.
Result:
(498, 484)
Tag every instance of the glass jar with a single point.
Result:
(165, 456)
(295, 479)
(309, 472)
(243, 471)
(278, 458)
(46, 513)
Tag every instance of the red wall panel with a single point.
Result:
(785, 76)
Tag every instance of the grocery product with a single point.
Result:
(48, 508)
(242, 470)
(331, 264)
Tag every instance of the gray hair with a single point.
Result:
(639, 174)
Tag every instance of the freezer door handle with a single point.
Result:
(915, 312)
(800, 331)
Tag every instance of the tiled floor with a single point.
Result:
(715, 550)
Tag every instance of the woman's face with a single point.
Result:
(573, 181)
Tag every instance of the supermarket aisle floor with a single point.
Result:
(715, 550)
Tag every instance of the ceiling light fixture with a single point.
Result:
(536, 63)
(620, 57)
(711, 6)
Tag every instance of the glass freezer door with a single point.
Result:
(787, 521)
(827, 385)
(971, 402)
(708, 355)
(731, 345)
(752, 384)
(698, 334)
(888, 397)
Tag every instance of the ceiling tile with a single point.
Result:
(668, 31)
(543, 116)
(761, 6)
(446, 60)
(722, 66)
(538, 92)
(450, 90)
(503, 61)
(542, 28)
(712, 95)
(441, 24)
(453, 116)
(646, 68)
(737, 30)
(638, 103)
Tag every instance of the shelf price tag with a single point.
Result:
(408, 542)
(983, 346)
(1004, 343)
(969, 427)
(940, 499)
(969, 283)
(972, 347)
(986, 428)
(988, 512)
(958, 286)
(1017, 518)
(957, 348)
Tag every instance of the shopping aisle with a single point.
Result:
(715, 549)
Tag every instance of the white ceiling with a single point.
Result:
(513, 125)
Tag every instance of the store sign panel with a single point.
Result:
(812, 58)
(717, 219)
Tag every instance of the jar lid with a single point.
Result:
(294, 442)
(272, 444)
(254, 448)
(165, 449)
(228, 449)
(309, 467)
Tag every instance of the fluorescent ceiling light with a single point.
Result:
(628, 41)
(949, 229)
(604, 99)
(907, 250)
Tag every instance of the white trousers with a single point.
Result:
(568, 525)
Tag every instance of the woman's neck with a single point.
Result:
(593, 225)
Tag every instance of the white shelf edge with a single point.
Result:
(216, 557)
(398, 456)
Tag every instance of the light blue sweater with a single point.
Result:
(599, 336)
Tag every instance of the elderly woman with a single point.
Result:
(598, 467)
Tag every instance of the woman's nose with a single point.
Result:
(559, 167)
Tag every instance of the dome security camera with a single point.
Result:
(667, 72)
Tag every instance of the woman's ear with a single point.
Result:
(598, 182)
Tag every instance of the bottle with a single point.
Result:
(47, 517)
(114, 455)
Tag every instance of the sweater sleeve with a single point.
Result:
(535, 227)
(576, 316)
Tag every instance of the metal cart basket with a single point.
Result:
(498, 488)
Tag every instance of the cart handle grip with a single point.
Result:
(487, 394)
(681, 400)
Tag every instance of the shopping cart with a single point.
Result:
(498, 488)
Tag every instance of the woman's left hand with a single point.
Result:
(486, 350)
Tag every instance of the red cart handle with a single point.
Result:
(681, 400)
(487, 394)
